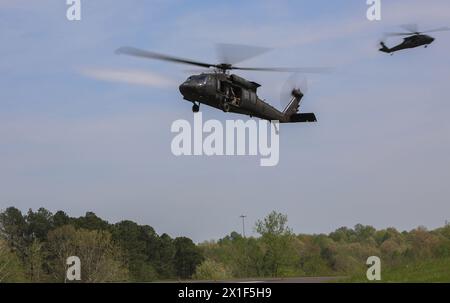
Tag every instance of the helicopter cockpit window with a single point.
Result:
(198, 80)
(202, 79)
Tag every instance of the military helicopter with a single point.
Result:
(415, 38)
(232, 93)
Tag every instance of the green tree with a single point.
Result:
(167, 251)
(364, 232)
(13, 228)
(137, 245)
(274, 224)
(60, 218)
(101, 259)
(39, 223)
(91, 221)
(254, 258)
(277, 240)
(343, 234)
(11, 269)
(187, 257)
(211, 270)
(34, 262)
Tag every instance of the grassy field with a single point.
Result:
(426, 271)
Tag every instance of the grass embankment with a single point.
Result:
(437, 270)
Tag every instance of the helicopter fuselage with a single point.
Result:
(409, 42)
(229, 93)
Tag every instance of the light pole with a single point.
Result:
(243, 224)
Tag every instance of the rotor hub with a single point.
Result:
(224, 66)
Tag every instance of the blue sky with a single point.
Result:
(70, 140)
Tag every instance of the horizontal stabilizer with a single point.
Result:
(304, 117)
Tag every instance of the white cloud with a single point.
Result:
(130, 76)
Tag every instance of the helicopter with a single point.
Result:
(229, 92)
(415, 38)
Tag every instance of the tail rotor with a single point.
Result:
(296, 86)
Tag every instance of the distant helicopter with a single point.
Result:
(232, 93)
(415, 38)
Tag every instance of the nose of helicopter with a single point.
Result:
(187, 88)
(429, 39)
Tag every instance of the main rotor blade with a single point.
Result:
(235, 53)
(197, 71)
(398, 34)
(413, 28)
(441, 29)
(131, 51)
(304, 70)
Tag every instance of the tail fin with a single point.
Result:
(291, 110)
(384, 48)
(294, 105)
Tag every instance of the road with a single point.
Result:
(275, 280)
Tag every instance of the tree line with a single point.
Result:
(34, 248)
(278, 252)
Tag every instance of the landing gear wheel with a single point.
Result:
(195, 108)
(226, 107)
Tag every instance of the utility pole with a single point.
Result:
(243, 224)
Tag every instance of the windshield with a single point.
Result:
(199, 80)
(202, 79)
